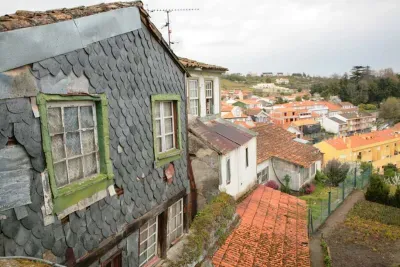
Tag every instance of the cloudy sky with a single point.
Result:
(319, 37)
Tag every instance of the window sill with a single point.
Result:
(73, 193)
(167, 157)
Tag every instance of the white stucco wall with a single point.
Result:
(330, 125)
(242, 177)
(294, 173)
(201, 77)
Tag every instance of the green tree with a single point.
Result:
(378, 190)
(336, 171)
(298, 98)
(390, 109)
(306, 97)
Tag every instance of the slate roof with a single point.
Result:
(337, 120)
(355, 115)
(274, 141)
(221, 135)
(190, 63)
(128, 68)
(272, 232)
(24, 19)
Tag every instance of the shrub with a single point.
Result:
(308, 188)
(272, 184)
(208, 223)
(320, 177)
(286, 187)
(378, 190)
(395, 199)
(336, 171)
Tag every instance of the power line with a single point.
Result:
(168, 22)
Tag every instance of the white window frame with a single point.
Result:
(67, 104)
(209, 91)
(148, 257)
(161, 120)
(175, 218)
(263, 173)
(194, 109)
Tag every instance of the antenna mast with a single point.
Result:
(168, 22)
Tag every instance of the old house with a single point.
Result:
(223, 158)
(93, 137)
(278, 155)
(222, 154)
(203, 87)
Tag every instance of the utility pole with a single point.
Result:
(168, 21)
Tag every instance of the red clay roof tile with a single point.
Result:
(272, 232)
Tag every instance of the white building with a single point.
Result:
(203, 87)
(223, 155)
(282, 81)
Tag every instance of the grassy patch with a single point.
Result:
(327, 256)
(373, 221)
(230, 85)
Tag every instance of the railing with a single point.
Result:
(319, 210)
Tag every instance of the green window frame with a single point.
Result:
(71, 194)
(162, 158)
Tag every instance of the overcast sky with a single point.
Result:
(319, 37)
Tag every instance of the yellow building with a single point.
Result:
(380, 148)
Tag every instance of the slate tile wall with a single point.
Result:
(129, 68)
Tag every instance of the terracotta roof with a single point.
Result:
(363, 139)
(253, 111)
(397, 126)
(274, 141)
(226, 108)
(345, 104)
(190, 63)
(25, 19)
(337, 143)
(249, 101)
(272, 232)
(304, 122)
(246, 124)
(231, 116)
(220, 135)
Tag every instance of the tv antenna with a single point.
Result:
(168, 22)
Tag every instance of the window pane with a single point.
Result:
(169, 142)
(71, 119)
(60, 170)
(159, 144)
(87, 117)
(143, 246)
(167, 109)
(73, 144)
(151, 251)
(57, 147)
(143, 235)
(152, 239)
(88, 142)
(168, 125)
(90, 165)
(158, 128)
(143, 258)
(157, 109)
(75, 171)
(54, 120)
(152, 229)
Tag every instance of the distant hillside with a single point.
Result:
(230, 85)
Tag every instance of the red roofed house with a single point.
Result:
(379, 147)
(279, 155)
(272, 232)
